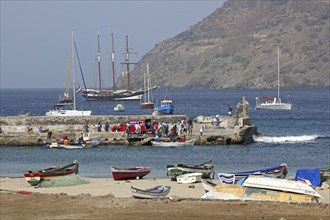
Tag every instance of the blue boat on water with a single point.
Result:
(166, 107)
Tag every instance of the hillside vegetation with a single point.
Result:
(236, 47)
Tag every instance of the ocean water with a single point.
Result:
(300, 137)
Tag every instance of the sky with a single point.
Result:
(36, 35)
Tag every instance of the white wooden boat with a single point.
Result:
(280, 185)
(152, 193)
(238, 192)
(173, 144)
(189, 178)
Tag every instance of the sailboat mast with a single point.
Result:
(148, 82)
(127, 64)
(67, 82)
(278, 72)
(73, 82)
(127, 52)
(144, 83)
(113, 61)
(99, 60)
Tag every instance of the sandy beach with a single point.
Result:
(104, 198)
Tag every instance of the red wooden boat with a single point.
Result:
(129, 173)
(36, 177)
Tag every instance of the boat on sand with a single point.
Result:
(189, 178)
(260, 188)
(152, 193)
(279, 171)
(36, 177)
(129, 173)
(179, 169)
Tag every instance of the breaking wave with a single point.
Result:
(285, 139)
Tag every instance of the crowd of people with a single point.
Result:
(163, 129)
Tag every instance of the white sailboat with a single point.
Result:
(276, 102)
(147, 103)
(68, 108)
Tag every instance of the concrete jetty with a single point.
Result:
(24, 130)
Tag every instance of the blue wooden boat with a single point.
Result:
(279, 171)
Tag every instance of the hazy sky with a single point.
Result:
(36, 35)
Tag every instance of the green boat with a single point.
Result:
(180, 169)
(37, 177)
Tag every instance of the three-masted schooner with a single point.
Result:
(115, 94)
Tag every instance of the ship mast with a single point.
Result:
(148, 82)
(99, 60)
(67, 82)
(113, 60)
(144, 84)
(73, 82)
(278, 72)
(128, 51)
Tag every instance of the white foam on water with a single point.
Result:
(285, 139)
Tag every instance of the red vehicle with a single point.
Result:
(120, 128)
(145, 125)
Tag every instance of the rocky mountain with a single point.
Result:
(236, 47)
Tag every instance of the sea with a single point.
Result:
(300, 137)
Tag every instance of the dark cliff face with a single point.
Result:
(236, 47)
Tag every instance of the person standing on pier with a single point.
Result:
(40, 131)
(201, 128)
(106, 127)
(230, 110)
(217, 118)
(190, 126)
(99, 127)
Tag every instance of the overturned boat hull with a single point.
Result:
(237, 192)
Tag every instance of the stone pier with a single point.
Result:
(24, 130)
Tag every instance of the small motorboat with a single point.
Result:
(173, 144)
(36, 177)
(129, 173)
(189, 178)
(119, 107)
(152, 193)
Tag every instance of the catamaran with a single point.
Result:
(276, 102)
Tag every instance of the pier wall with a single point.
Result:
(14, 130)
